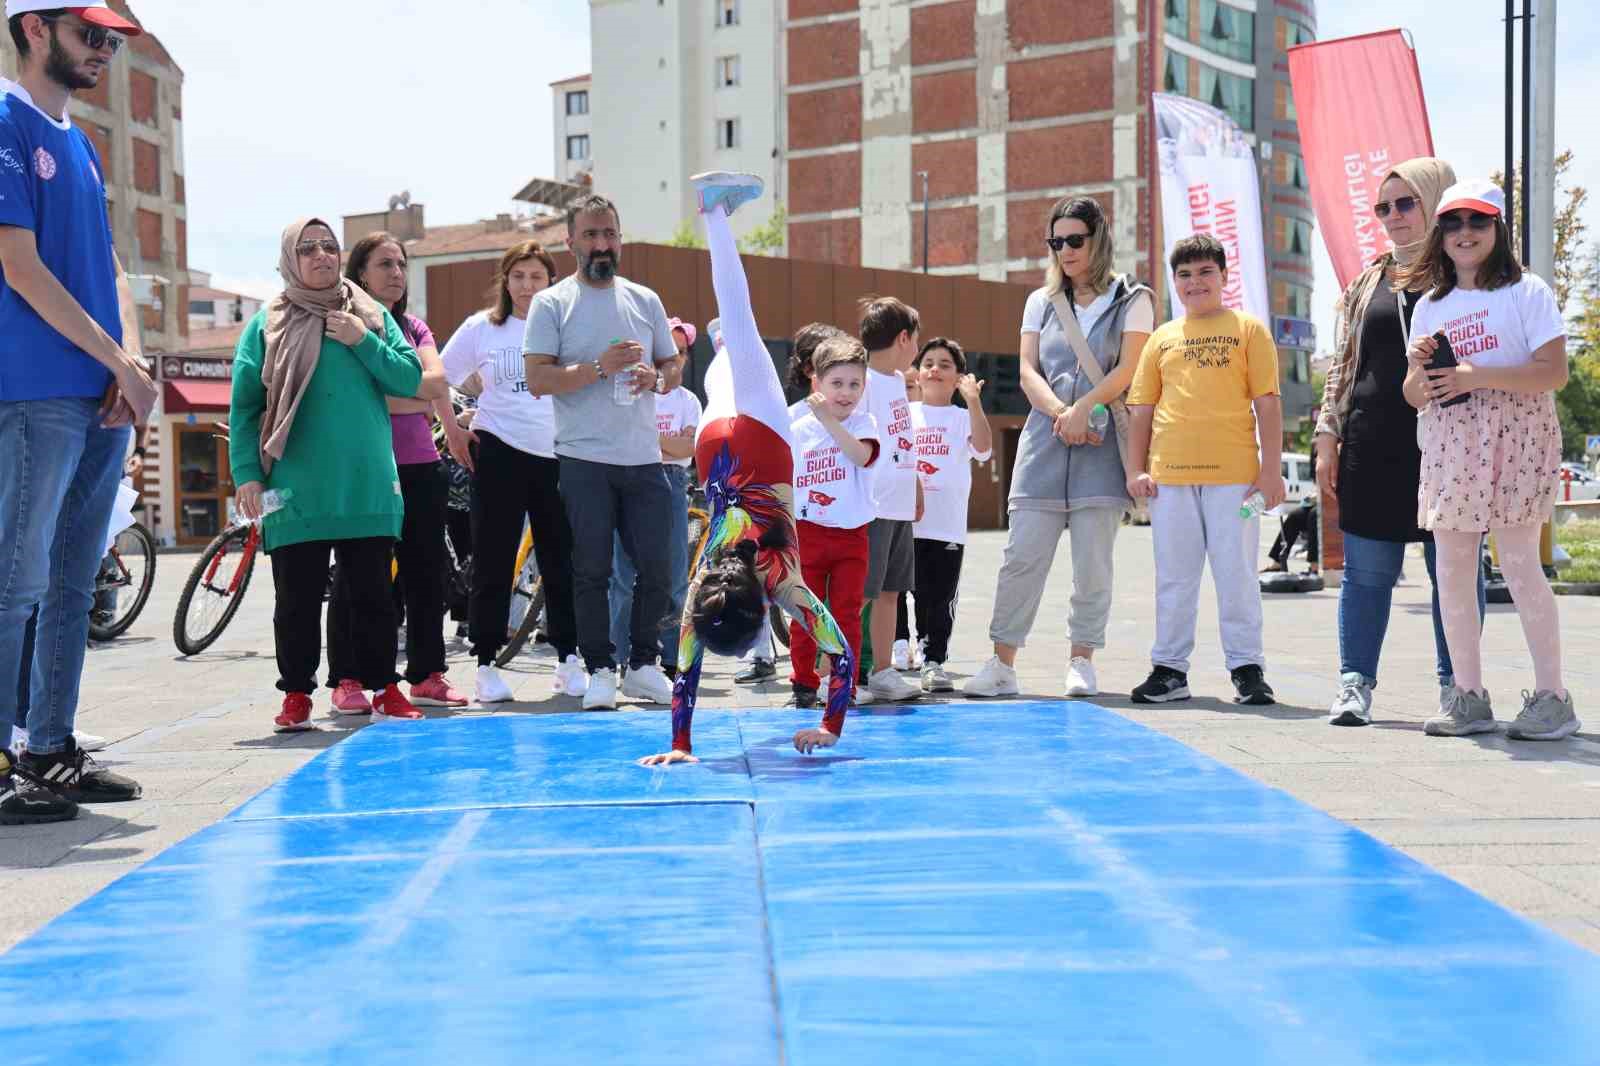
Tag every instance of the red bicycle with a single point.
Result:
(216, 587)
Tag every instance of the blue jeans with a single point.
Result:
(58, 483)
(622, 574)
(1371, 569)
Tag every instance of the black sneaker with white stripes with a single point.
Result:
(1252, 687)
(75, 776)
(24, 803)
(1164, 685)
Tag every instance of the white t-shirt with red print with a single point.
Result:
(895, 482)
(1494, 327)
(676, 411)
(944, 465)
(830, 490)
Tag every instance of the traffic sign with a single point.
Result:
(1593, 443)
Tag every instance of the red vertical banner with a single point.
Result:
(1360, 110)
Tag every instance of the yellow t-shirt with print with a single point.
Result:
(1201, 375)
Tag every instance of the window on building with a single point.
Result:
(727, 133)
(578, 146)
(1297, 237)
(201, 307)
(1297, 302)
(578, 102)
(1229, 93)
(1294, 33)
(727, 72)
(1176, 79)
(1178, 18)
(1297, 171)
(727, 12)
(1228, 30)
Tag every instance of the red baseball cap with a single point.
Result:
(96, 14)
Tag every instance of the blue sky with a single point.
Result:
(330, 107)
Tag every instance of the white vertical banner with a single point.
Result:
(1209, 184)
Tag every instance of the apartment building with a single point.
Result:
(571, 125)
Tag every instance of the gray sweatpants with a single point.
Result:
(1193, 525)
(1030, 552)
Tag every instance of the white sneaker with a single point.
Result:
(995, 679)
(88, 741)
(602, 691)
(1080, 679)
(571, 678)
(900, 658)
(492, 688)
(889, 686)
(19, 740)
(934, 678)
(647, 683)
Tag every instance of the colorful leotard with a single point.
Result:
(744, 459)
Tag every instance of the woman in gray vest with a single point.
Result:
(1067, 474)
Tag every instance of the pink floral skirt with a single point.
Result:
(1490, 463)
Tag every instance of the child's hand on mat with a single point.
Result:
(666, 758)
(808, 740)
(1142, 487)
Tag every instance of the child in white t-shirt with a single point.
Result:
(947, 439)
(835, 445)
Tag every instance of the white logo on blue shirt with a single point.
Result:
(9, 160)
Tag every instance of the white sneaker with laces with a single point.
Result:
(647, 683)
(491, 687)
(601, 695)
(1080, 679)
(889, 686)
(995, 679)
(935, 679)
(900, 657)
(571, 678)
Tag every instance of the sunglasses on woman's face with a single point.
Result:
(312, 247)
(1401, 205)
(1072, 240)
(96, 37)
(1453, 222)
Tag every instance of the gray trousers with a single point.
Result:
(1030, 552)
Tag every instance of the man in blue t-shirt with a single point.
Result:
(70, 389)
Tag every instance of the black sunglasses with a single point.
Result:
(1455, 220)
(96, 37)
(1401, 204)
(326, 244)
(1073, 241)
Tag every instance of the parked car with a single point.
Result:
(1297, 477)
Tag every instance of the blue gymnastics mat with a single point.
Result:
(960, 883)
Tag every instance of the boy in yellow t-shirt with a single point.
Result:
(1206, 386)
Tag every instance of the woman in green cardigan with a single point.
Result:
(309, 423)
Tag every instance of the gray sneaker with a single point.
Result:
(1461, 713)
(1545, 716)
(1353, 704)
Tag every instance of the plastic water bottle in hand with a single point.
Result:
(1254, 505)
(1099, 419)
(622, 393)
(274, 500)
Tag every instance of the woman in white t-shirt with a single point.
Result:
(1491, 447)
(948, 438)
(516, 475)
(1066, 475)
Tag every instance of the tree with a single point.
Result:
(1578, 404)
(1569, 226)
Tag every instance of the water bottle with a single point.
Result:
(274, 500)
(622, 393)
(1254, 505)
(1099, 419)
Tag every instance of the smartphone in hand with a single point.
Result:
(1444, 357)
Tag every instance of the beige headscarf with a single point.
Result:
(296, 321)
(1428, 178)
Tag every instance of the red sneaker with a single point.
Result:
(391, 704)
(296, 714)
(436, 692)
(350, 698)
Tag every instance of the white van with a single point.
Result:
(1297, 477)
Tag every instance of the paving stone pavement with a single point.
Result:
(1518, 822)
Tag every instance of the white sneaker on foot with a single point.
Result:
(601, 695)
(647, 683)
(88, 741)
(1080, 679)
(900, 657)
(726, 188)
(934, 678)
(491, 687)
(571, 678)
(995, 679)
(889, 686)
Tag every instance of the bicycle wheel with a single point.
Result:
(125, 585)
(214, 591)
(527, 604)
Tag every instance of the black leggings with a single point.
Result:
(938, 570)
(422, 569)
(510, 485)
(300, 577)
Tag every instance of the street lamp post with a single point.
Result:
(923, 174)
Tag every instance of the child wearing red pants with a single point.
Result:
(834, 445)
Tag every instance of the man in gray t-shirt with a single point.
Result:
(584, 334)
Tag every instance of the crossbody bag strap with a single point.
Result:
(1090, 365)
